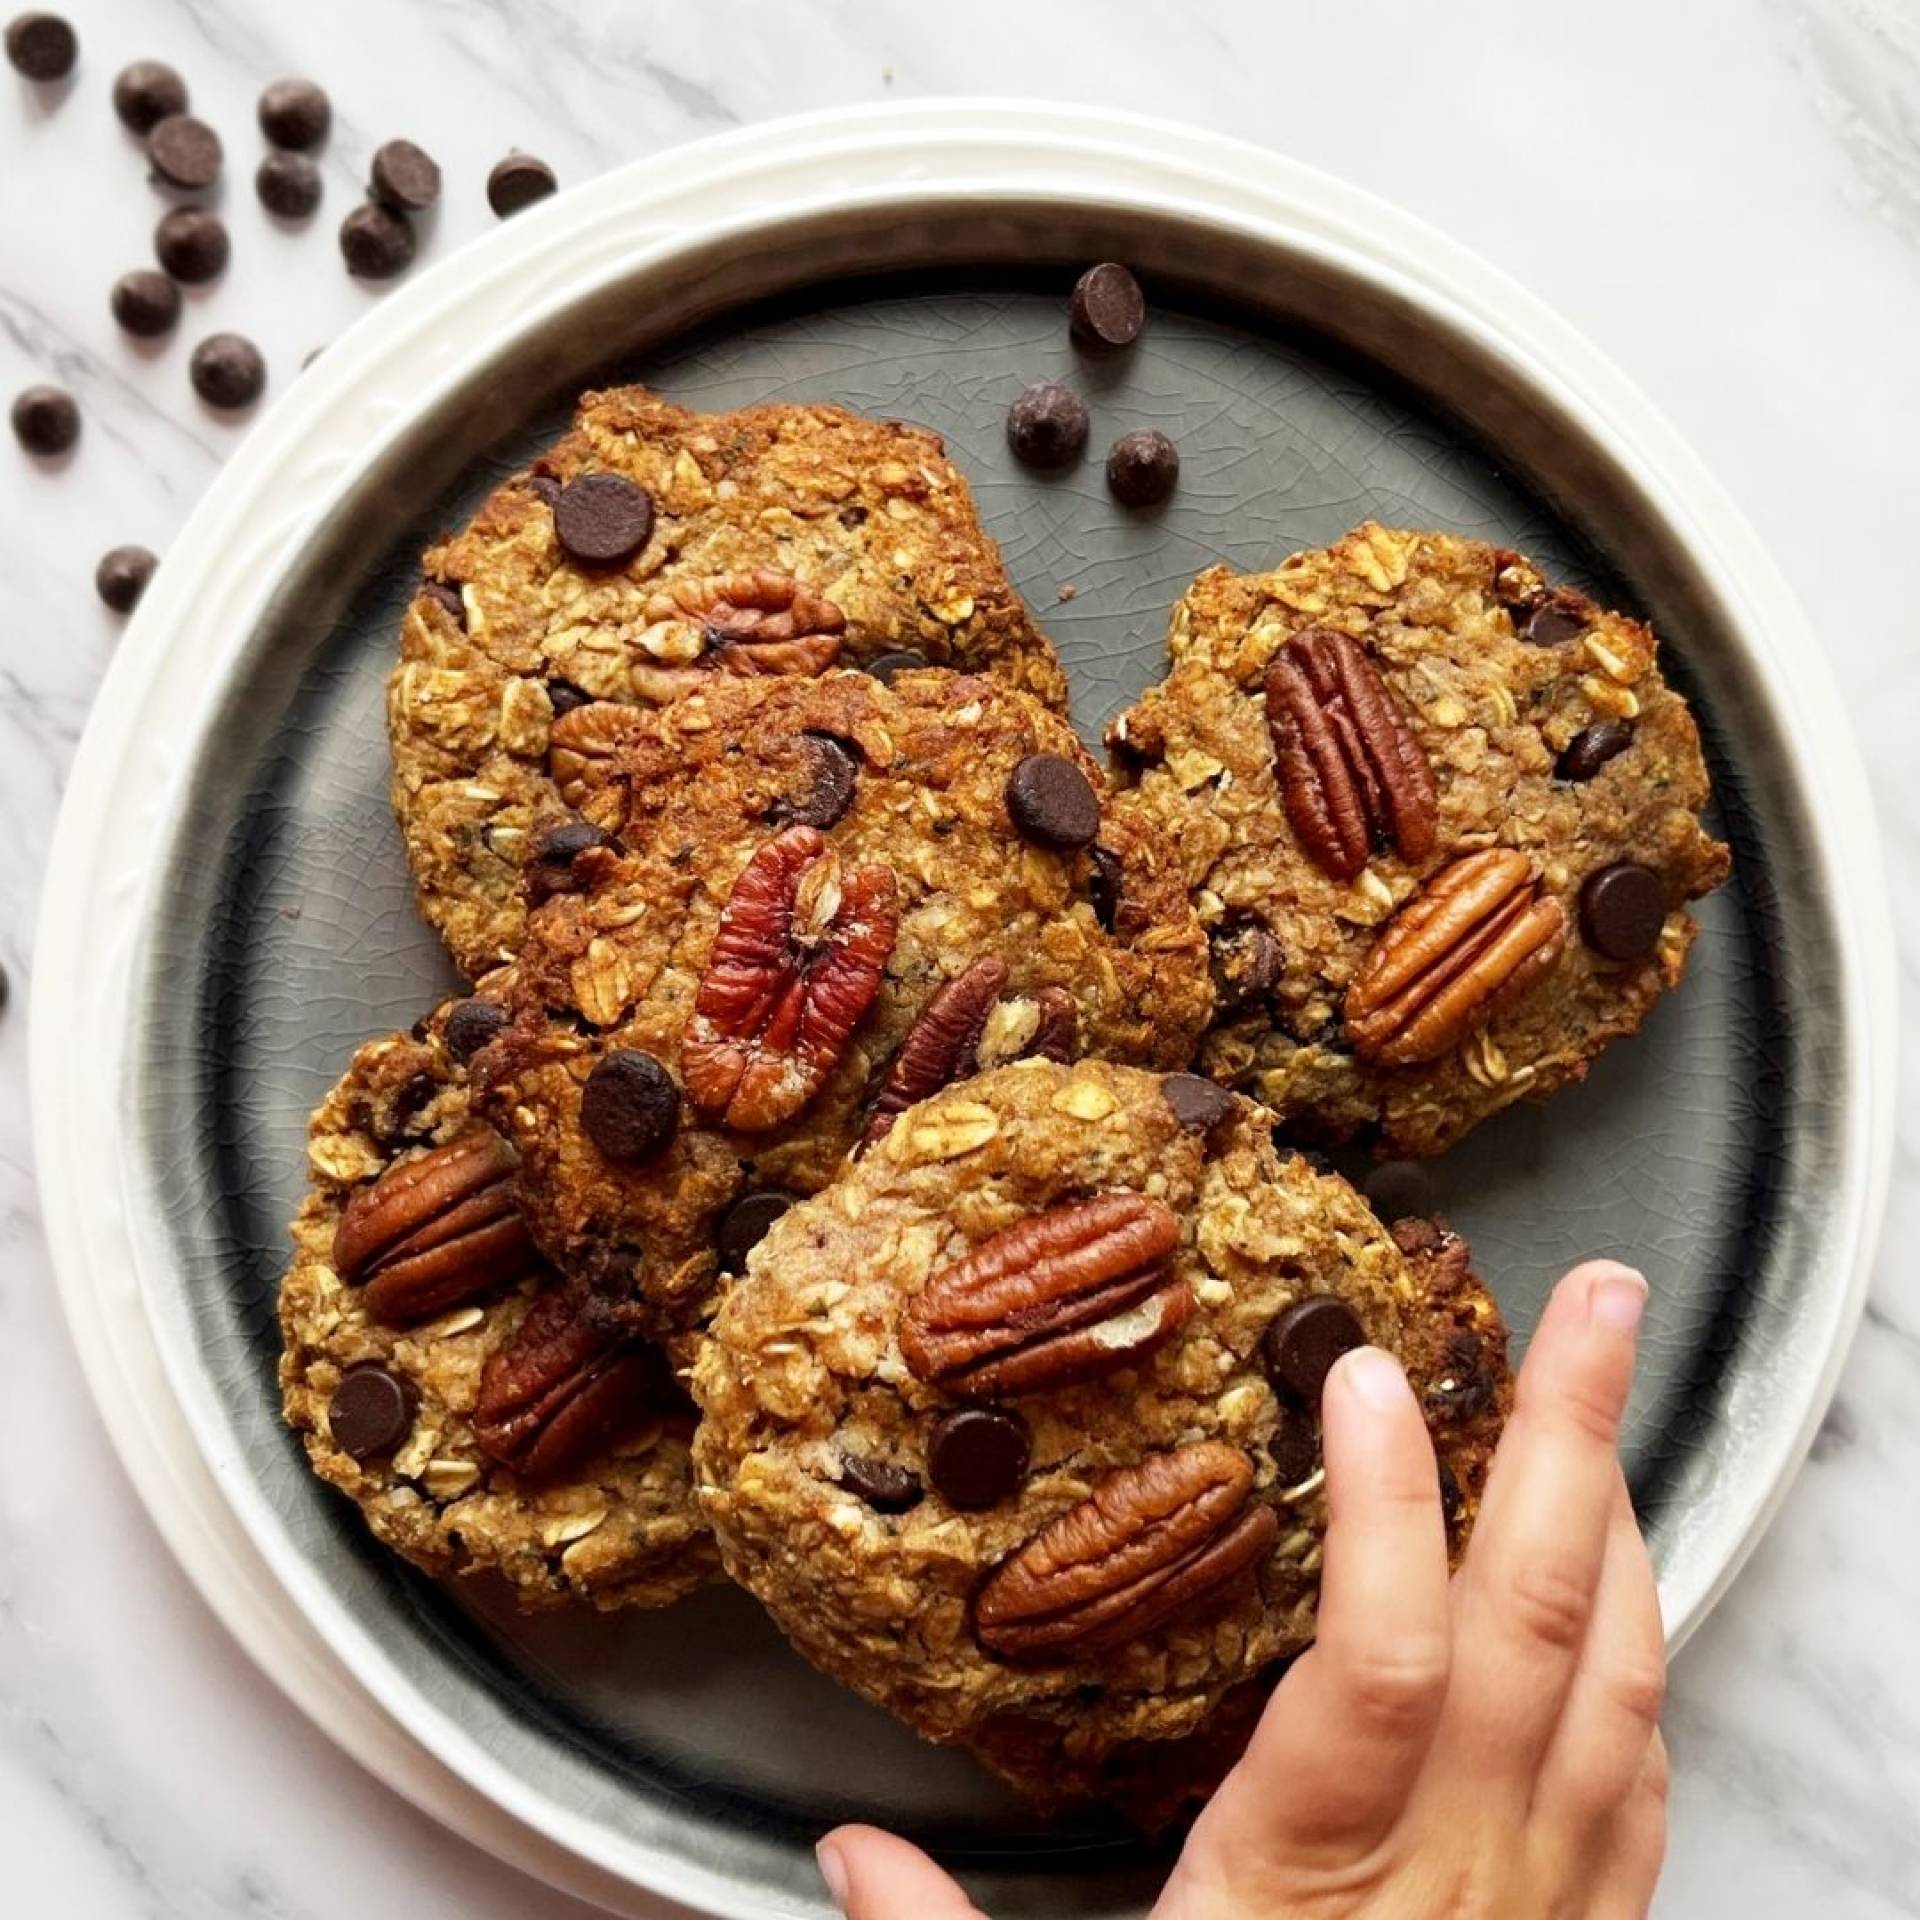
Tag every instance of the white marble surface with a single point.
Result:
(1724, 193)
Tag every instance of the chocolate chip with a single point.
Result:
(630, 1108)
(552, 852)
(565, 696)
(46, 420)
(471, 1025)
(146, 303)
(295, 113)
(1106, 884)
(1399, 1190)
(1465, 1386)
(744, 1225)
(976, 1456)
(1592, 747)
(1142, 468)
(1295, 1446)
(546, 485)
(1451, 1498)
(517, 182)
(371, 1412)
(185, 152)
(602, 519)
(405, 177)
(1197, 1104)
(1053, 803)
(227, 371)
(883, 666)
(885, 1487)
(1302, 1345)
(448, 596)
(1622, 909)
(1549, 624)
(1047, 426)
(122, 575)
(42, 46)
(1107, 309)
(376, 244)
(1246, 967)
(192, 245)
(832, 771)
(145, 93)
(288, 185)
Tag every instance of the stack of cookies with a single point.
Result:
(875, 1159)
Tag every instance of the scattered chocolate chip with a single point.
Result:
(517, 182)
(185, 152)
(376, 244)
(295, 113)
(1399, 1190)
(565, 696)
(145, 93)
(883, 666)
(744, 1225)
(1106, 884)
(146, 303)
(471, 1025)
(1464, 1387)
(1047, 426)
(1053, 803)
(1549, 624)
(46, 420)
(1622, 909)
(1295, 1446)
(552, 852)
(546, 485)
(370, 1413)
(1197, 1104)
(1301, 1346)
(1592, 747)
(1142, 468)
(405, 177)
(288, 185)
(227, 371)
(42, 46)
(1451, 1498)
(122, 575)
(630, 1108)
(192, 245)
(976, 1456)
(1246, 967)
(1107, 309)
(447, 595)
(832, 772)
(602, 519)
(885, 1487)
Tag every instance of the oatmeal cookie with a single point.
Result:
(1014, 1427)
(651, 548)
(445, 1381)
(788, 911)
(1440, 822)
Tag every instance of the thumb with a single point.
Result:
(878, 1876)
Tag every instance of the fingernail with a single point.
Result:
(833, 1870)
(1617, 1298)
(1375, 1377)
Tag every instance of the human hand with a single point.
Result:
(1481, 1749)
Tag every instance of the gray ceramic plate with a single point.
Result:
(1727, 1150)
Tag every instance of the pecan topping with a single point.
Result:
(1151, 1541)
(751, 623)
(1351, 772)
(795, 965)
(561, 1390)
(582, 741)
(1472, 941)
(1071, 1294)
(942, 1045)
(434, 1231)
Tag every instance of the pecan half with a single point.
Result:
(941, 1046)
(584, 740)
(794, 967)
(1151, 1541)
(1472, 941)
(1071, 1294)
(434, 1231)
(561, 1390)
(752, 622)
(1350, 771)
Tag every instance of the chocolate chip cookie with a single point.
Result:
(442, 1377)
(652, 549)
(1014, 1427)
(1440, 819)
(785, 911)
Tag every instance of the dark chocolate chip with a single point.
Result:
(1592, 747)
(1106, 884)
(227, 371)
(375, 243)
(1197, 1104)
(185, 152)
(192, 245)
(145, 93)
(602, 519)
(146, 303)
(1047, 426)
(471, 1025)
(630, 1108)
(1549, 624)
(1142, 468)
(371, 1412)
(1301, 1346)
(883, 666)
(566, 696)
(1053, 803)
(295, 113)
(976, 1456)
(517, 182)
(122, 575)
(405, 177)
(1295, 1446)
(1246, 967)
(447, 595)
(833, 769)
(744, 1225)
(288, 185)
(552, 852)
(1107, 309)
(46, 420)
(1399, 1190)
(1622, 909)
(1464, 1387)
(546, 485)
(885, 1487)
(1451, 1498)
(42, 46)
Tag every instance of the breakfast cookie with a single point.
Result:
(1014, 1427)
(787, 911)
(1440, 822)
(650, 550)
(444, 1380)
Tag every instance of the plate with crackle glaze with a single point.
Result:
(230, 915)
